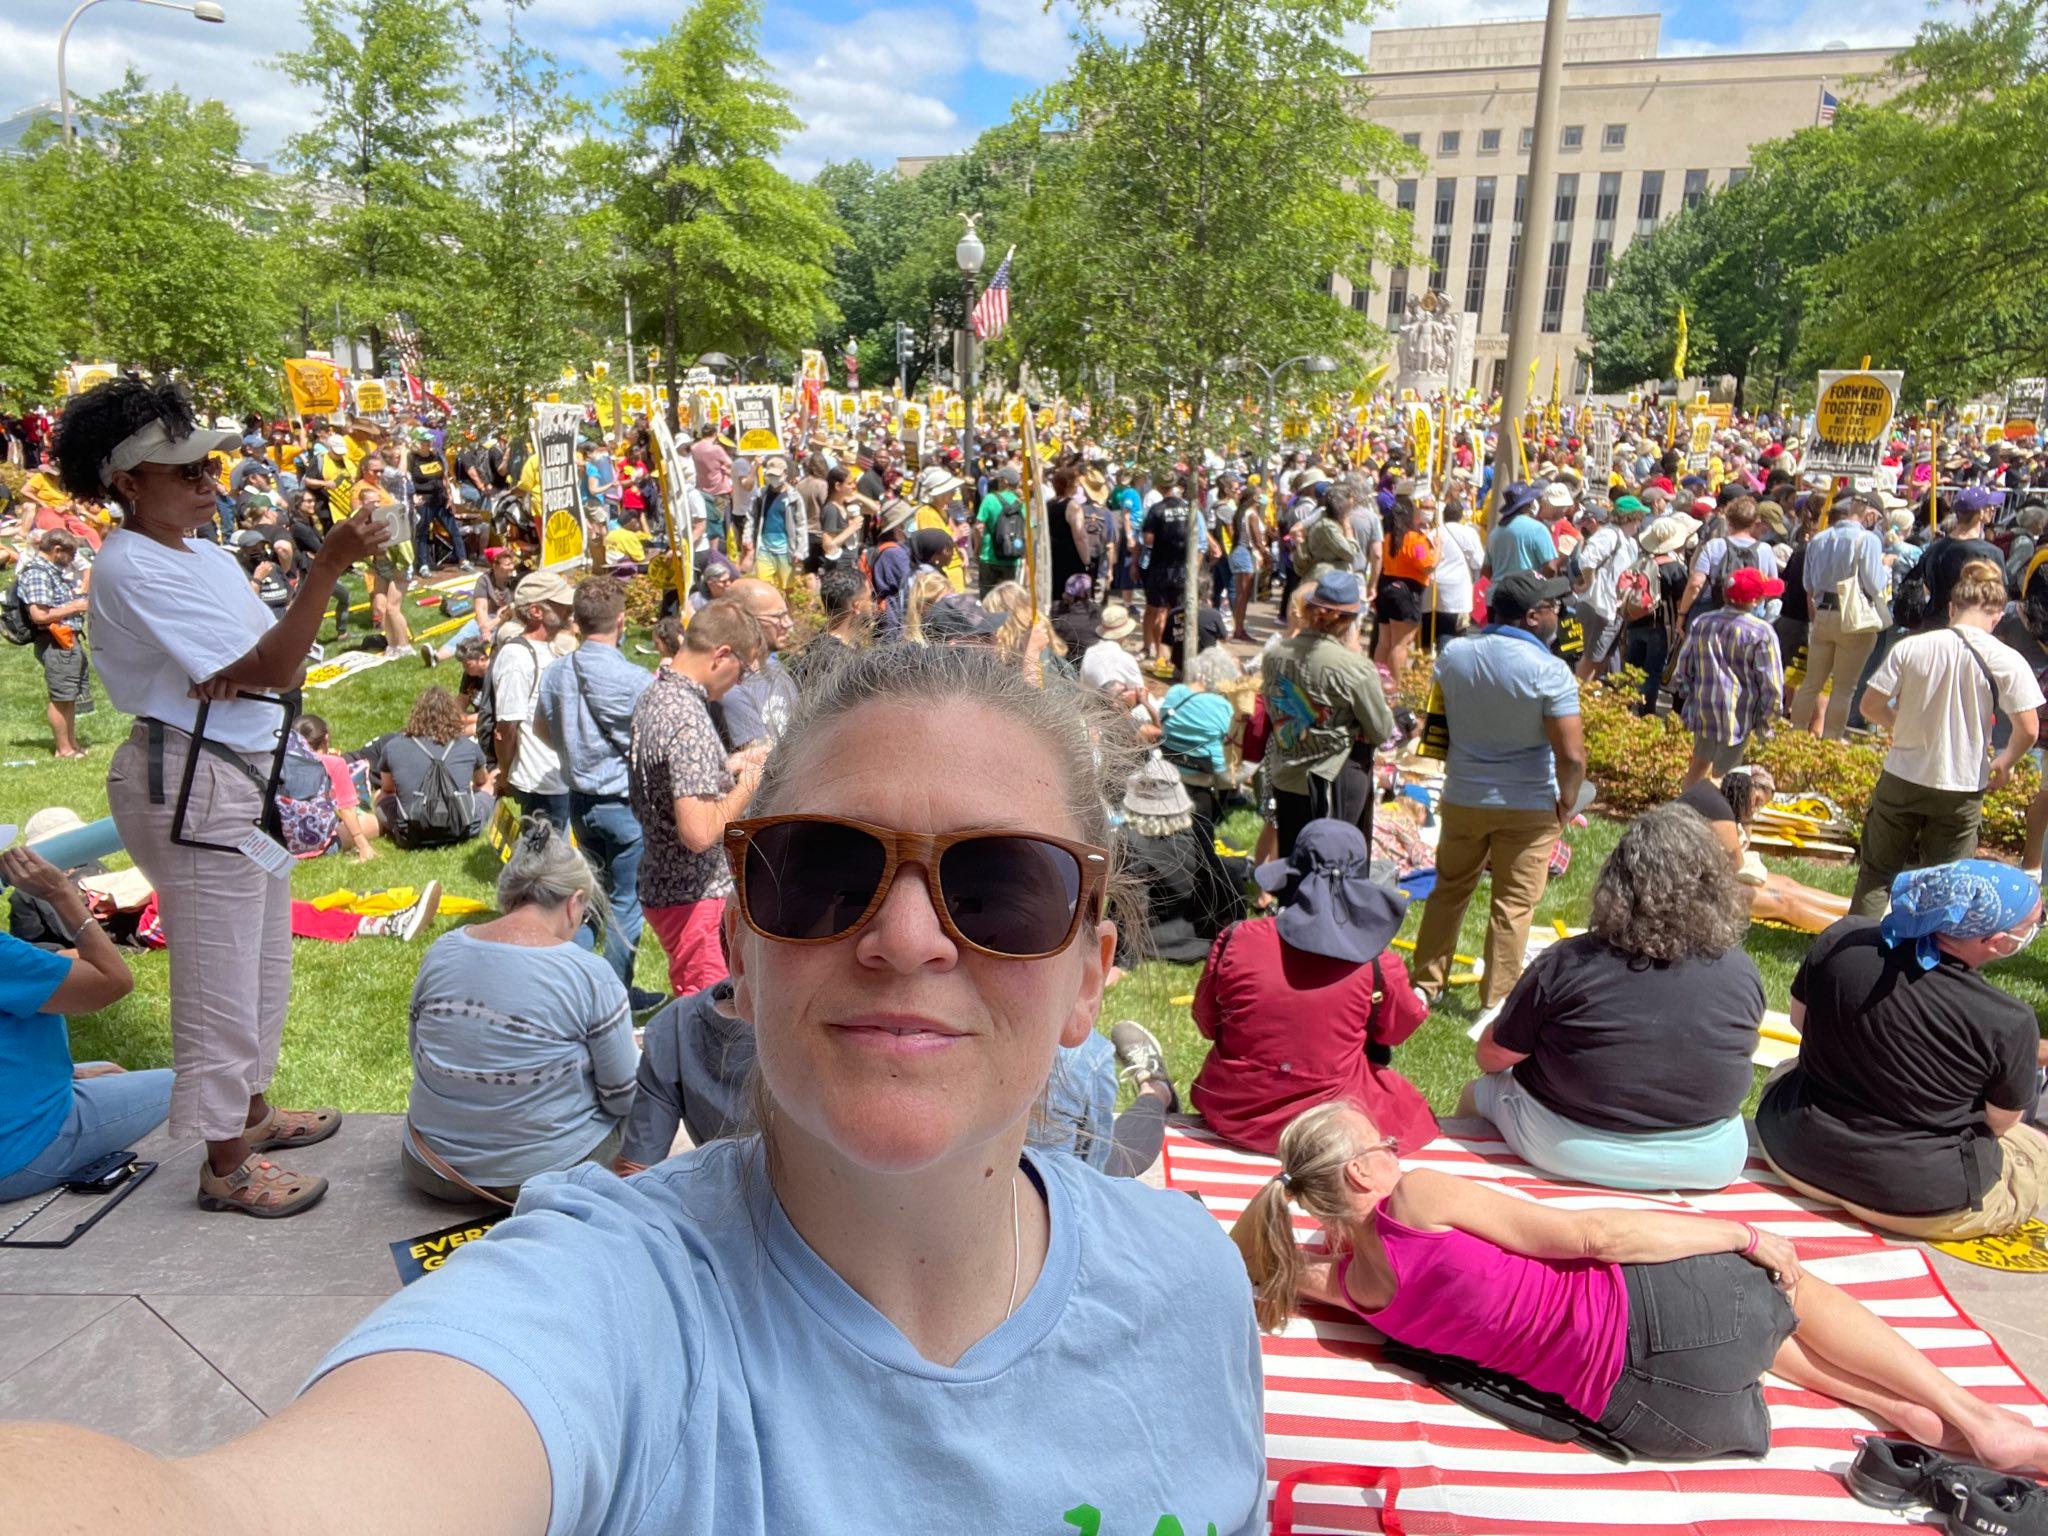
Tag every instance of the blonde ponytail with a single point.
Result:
(1315, 1149)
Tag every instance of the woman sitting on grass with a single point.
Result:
(432, 778)
(1730, 808)
(1654, 1326)
(1622, 1056)
(522, 1046)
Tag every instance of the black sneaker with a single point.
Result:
(1980, 1502)
(1140, 1060)
(1891, 1473)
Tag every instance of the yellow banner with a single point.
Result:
(372, 398)
(315, 384)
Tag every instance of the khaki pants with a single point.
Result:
(226, 923)
(1910, 826)
(2006, 1207)
(1515, 846)
(1837, 659)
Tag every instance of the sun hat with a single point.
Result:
(956, 616)
(154, 444)
(896, 513)
(1969, 899)
(544, 587)
(1557, 494)
(1669, 532)
(1750, 585)
(1338, 591)
(49, 821)
(934, 481)
(1156, 790)
(1096, 484)
(1329, 903)
(1116, 622)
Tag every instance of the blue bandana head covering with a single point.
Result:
(1969, 899)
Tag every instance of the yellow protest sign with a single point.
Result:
(1419, 438)
(956, 413)
(2022, 1252)
(1015, 411)
(871, 399)
(1852, 415)
(756, 419)
(315, 384)
(79, 377)
(372, 398)
(633, 400)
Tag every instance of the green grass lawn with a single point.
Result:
(344, 1043)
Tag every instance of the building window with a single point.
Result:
(1397, 296)
(1330, 283)
(1649, 202)
(1361, 297)
(1738, 176)
(1582, 376)
(1614, 136)
(1573, 137)
(1557, 269)
(1528, 140)
(1507, 302)
(1489, 141)
(1606, 203)
(1440, 229)
(1404, 197)
(1695, 188)
(1447, 142)
(1482, 244)
(1412, 140)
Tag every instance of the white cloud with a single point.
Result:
(872, 90)
(1026, 39)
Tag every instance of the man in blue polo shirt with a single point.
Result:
(1517, 761)
(1521, 541)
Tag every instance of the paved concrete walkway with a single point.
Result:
(175, 1329)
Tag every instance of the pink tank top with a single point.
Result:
(1561, 1325)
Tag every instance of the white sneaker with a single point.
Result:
(405, 925)
(1140, 1058)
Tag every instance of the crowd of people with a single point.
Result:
(902, 1107)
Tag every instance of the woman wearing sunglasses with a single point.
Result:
(882, 1311)
(175, 621)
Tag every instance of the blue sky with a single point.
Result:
(872, 79)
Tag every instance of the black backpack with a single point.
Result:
(16, 627)
(440, 810)
(487, 714)
(1007, 537)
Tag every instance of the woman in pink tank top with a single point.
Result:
(1653, 1326)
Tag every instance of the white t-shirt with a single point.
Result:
(515, 685)
(1606, 557)
(1460, 557)
(1106, 662)
(1943, 736)
(164, 619)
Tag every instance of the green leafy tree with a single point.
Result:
(513, 312)
(1221, 170)
(151, 246)
(730, 252)
(29, 350)
(384, 149)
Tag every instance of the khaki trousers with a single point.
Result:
(1515, 846)
(2006, 1207)
(1836, 659)
(227, 926)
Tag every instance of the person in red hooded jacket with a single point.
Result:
(1305, 1007)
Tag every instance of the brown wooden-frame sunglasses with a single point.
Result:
(1013, 919)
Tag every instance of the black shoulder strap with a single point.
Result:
(1982, 665)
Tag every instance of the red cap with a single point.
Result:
(1750, 585)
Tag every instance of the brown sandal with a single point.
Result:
(292, 1128)
(259, 1188)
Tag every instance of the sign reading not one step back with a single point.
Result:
(1851, 417)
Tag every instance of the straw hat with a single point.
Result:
(1156, 790)
(1116, 622)
(1669, 532)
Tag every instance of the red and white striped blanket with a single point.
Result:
(1340, 1427)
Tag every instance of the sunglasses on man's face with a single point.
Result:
(817, 879)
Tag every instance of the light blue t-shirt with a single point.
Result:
(694, 1369)
(522, 1055)
(775, 525)
(35, 1052)
(1193, 725)
(1499, 686)
(1521, 544)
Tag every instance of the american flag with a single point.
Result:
(992, 309)
(1827, 108)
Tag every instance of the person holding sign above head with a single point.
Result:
(176, 626)
(919, 925)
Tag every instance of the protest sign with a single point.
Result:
(1700, 446)
(372, 399)
(1852, 415)
(79, 377)
(1600, 454)
(559, 516)
(315, 384)
(678, 473)
(633, 399)
(756, 418)
(2025, 400)
(417, 1256)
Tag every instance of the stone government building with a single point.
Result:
(1640, 137)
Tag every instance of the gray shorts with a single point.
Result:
(1602, 631)
(1723, 758)
(65, 674)
(1701, 1331)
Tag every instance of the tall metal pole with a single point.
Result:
(630, 379)
(1533, 258)
(967, 371)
